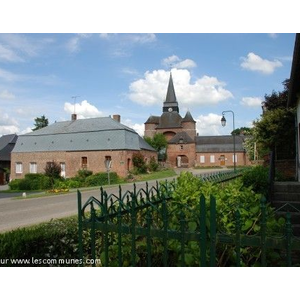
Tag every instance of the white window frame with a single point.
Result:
(202, 159)
(19, 168)
(33, 167)
(236, 157)
(212, 159)
(63, 169)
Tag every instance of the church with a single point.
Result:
(185, 147)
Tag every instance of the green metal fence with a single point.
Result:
(134, 229)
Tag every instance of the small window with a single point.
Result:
(181, 147)
(33, 167)
(235, 158)
(202, 159)
(107, 162)
(19, 168)
(212, 159)
(84, 162)
(63, 169)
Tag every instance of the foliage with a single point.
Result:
(102, 179)
(257, 179)
(139, 163)
(40, 122)
(242, 130)
(277, 127)
(153, 165)
(53, 170)
(31, 182)
(277, 99)
(158, 142)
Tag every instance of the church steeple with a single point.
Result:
(171, 103)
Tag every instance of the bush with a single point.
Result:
(102, 179)
(83, 174)
(257, 178)
(53, 240)
(153, 165)
(138, 161)
(72, 183)
(31, 182)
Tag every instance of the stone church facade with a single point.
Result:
(185, 147)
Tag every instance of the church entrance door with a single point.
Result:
(182, 161)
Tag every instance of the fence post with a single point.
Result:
(105, 231)
(133, 223)
(212, 231)
(202, 231)
(80, 245)
(93, 244)
(182, 240)
(165, 231)
(238, 237)
(119, 219)
(263, 231)
(288, 228)
(149, 221)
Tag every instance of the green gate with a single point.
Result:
(133, 229)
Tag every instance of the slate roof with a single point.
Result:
(219, 143)
(170, 120)
(153, 120)
(181, 138)
(7, 143)
(171, 96)
(82, 135)
(188, 117)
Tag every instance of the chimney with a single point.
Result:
(74, 117)
(117, 118)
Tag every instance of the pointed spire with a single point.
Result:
(188, 117)
(170, 103)
(171, 97)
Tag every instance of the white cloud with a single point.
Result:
(26, 130)
(209, 124)
(251, 101)
(9, 55)
(6, 95)
(175, 62)
(273, 35)
(73, 44)
(83, 110)
(19, 47)
(8, 125)
(8, 76)
(139, 128)
(254, 62)
(153, 88)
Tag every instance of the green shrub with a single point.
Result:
(72, 183)
(31, 182)
(257, 178)
(83, 174)
(139, 164)
(102, 179)
(153, 165)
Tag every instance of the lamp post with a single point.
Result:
(223, 122)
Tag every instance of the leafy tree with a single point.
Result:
(242, 130)
(139, 163)
(158, 142)
(276, 128)
(40, 122)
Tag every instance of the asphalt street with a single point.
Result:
(16, 213)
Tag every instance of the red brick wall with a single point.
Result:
(242, 159)
(188, 150)
(121, 160)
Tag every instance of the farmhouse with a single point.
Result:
(185, 147)
(79, 144)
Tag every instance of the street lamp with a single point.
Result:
(223, 122)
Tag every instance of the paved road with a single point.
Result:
(16, 213)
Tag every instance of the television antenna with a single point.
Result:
(74, 97)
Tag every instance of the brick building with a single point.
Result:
(79, 144)
(185, 147)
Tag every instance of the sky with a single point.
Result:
(127, 74)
